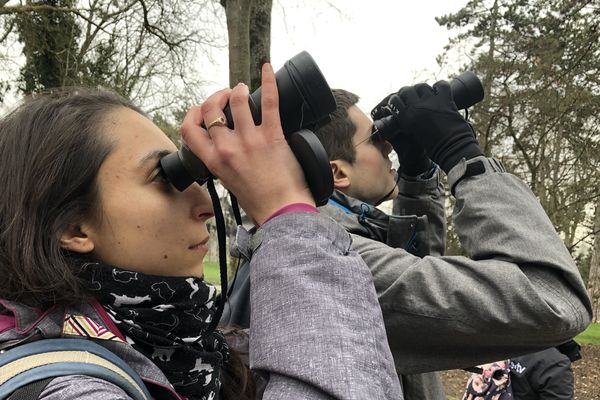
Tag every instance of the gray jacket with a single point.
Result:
(316, 328)
(518, 291)
(418, 226)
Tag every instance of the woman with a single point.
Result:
(96, 244)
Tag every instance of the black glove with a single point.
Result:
(411, 155)
(430, 117)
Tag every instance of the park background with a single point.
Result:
(539, 61)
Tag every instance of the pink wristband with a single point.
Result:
(294, 207)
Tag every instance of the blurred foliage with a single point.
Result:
(540, 68)
(538, 61)
(142, 49)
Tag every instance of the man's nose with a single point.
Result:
(386, 148)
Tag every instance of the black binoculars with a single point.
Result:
(305, 102)
(466, 88)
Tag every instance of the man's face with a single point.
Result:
(371, 176)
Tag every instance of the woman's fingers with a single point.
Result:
(271, 122)
(240, 110)
(199, 138)
(194, 135)
(212, 107)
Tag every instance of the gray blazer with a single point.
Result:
(519, 290)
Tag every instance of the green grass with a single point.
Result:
(211, 273)
(590, 336)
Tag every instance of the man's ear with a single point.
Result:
(340, 170)
(75, 239)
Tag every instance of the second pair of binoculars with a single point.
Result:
(466, 89)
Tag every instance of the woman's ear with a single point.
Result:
(76, 240)
(340, 170)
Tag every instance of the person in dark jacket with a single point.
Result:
(544, 375)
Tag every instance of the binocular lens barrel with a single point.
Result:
(305, 99)
(466, 88)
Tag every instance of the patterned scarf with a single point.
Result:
(166, 319)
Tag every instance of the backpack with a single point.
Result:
(26, 369)
(489, 382)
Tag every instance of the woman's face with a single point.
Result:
(145, 224)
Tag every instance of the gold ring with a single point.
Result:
(221, 121)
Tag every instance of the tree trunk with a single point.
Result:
(260, 39)
(594, 277)
(490, 74)
(238, 30)
(249, 30)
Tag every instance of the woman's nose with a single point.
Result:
(202, 208)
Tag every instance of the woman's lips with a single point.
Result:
(201, 247)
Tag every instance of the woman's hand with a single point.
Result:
(253, 162)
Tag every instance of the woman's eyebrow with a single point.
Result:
(154, 155)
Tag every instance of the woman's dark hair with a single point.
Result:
(51, 150)
(237, 381)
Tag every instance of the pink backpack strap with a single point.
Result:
(6, 322)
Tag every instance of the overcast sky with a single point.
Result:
(370, 47)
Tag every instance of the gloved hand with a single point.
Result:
(430, 117)
(411, 155)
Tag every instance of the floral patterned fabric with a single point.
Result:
(493, 383)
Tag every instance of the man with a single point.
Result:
(363, 178)
(517, 292)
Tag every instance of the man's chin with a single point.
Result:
(393, 194)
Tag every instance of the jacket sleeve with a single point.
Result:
(316, 327)
(423, 197)
(518, 290)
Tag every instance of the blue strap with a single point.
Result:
(64, 368)
(338, 205)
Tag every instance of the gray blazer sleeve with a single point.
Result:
(424, 197)
(518, 291)
(316, 327)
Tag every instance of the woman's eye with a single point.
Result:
(160, 176)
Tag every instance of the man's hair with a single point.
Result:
(336, 136)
